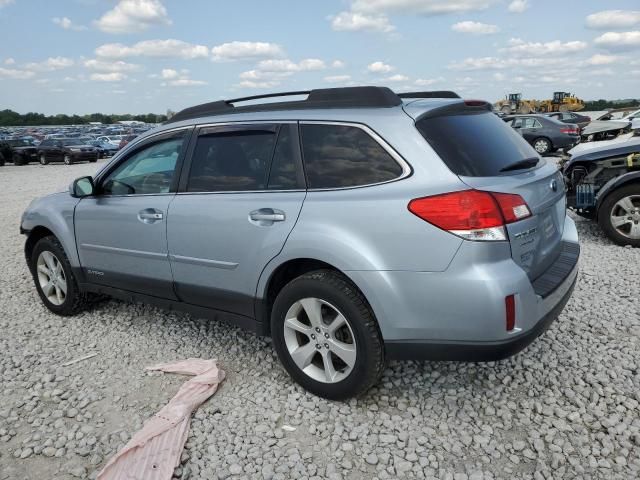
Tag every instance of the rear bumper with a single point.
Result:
(481, 351)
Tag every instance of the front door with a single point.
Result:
(121, 232)
(236, 206)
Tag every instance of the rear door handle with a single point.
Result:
(267, 216)
(150, 215)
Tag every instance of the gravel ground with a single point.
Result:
(567, 407)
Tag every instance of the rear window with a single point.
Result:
(474, 144)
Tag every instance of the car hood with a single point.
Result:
(616, 149)
(598, 126)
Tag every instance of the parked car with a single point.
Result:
(67, 150)
(354, 227)
(105, 149)
(543, 133)
(604, 184)
(112, 139)
(570, 117)
(125, 140)
(18, 151)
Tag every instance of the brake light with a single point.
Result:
(471, 214)
(569, 131)
(510, 307)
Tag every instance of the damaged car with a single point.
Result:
(603, 183)
(19, 151)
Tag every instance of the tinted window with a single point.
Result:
(46, 143)
(474, 144)
(150, 170)
(284, 170)
(231, 161)
(341, 156)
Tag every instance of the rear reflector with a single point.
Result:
(510, 306)
(471, 214)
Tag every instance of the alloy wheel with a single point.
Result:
(51, 277)
(541, 146)
(320, 340)
(625, 216)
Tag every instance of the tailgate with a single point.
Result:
(536, 240)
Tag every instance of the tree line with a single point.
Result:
(596, 105)
(9, 118)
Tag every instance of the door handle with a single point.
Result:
(267, 215)
(150, 215)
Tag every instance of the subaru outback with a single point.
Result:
(354, 226)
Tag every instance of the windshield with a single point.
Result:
(19, 143)
(475, 144)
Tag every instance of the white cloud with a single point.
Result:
(613, 19)
(337, 64)
(50, 64)
(379, 67)
(518, 6)
(4, 3)
(132, 16)
(600, 59)
(424, 7)
(494, 63)
(169, 73)
(110, 66)
(186, 82)
(108, 77)
(619, 40)
(521, 48)
(499, 76)
(475, 28)
(15, 73)
(357, 22)
(245, 50)
(337, 78)
(286, 65)
(253, 84)
(67, 24)
(427, 82)
(153, 48)
(9, 61)
(396, 78)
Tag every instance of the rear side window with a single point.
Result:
(338, 156)
(474, 144)
(231, 161)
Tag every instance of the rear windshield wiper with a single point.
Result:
(521, 164)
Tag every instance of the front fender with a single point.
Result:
(55, 213)
(615, 183)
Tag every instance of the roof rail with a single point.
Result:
(434, 94)
(347, 97)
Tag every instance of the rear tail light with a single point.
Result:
(471, 214)
(569, 131)
(510, 307)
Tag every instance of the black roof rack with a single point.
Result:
(434, 94)
(346, 97)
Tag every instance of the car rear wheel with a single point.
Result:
(18, 159)
(54, 278)
(541, 145)
(68, 160)
(326, 335)
(619, 215)
(43, 159)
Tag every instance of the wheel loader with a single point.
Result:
(561, 102)
(513, 103)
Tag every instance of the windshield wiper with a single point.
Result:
(521, 164)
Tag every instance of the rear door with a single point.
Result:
(482, 150)
(238, 202)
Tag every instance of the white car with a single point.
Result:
(634, 118)
(112, 139)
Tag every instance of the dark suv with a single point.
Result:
(18, 151)
(67, 150)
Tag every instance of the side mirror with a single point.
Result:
(82, 187)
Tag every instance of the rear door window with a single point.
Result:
(474, 144)
(339, 156)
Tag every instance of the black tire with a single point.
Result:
(542, 145)
(75, 301)
(68, 160)
(93, 160)
(606, 208)
(332, 287)
(18, 159)
(43, 159)
(1, 160)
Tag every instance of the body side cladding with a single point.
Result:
(615, 183)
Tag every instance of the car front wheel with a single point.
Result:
(619, 215)
(68, 160)
(326, 335)
(54, 278)
(43, 159)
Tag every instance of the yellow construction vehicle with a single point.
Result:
(513, 103)
(561, 102)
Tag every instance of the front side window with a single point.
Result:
(150, 170)
(236, 160)
(338, 156)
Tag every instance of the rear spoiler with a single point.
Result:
(459, 108)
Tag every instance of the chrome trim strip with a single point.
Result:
(204, 262)
(124, 251)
